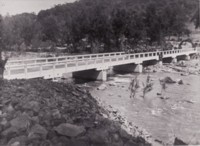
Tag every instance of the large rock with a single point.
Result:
(112, 83)
(184, 74)
(180, 82)
(32, 105)
(21, 122)
(178, 141)
(102, 87)
(10, 131)
(131, 143)
(182, 63)
(45, 105)
(124, 134)
(69, 130)
(38, 130)
(18, 141)
(168, 80)
(100, 136)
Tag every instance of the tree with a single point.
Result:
(3, 59)
(50, 29)
(112, 25)
(119, 24)
(152, 23)
(196, 17)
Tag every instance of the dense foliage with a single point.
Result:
(99, 25)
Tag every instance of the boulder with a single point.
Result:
(102, 87)
(9, 108)
(10, 131)
(116, 137)
(56, 114)
(184, 74)
(182, 63)
(32, 105)
(38, 130)
(21, 122)
(180, 81)
(178, 141)
(4, 122)
(124, 134)
(18, 141)
(131, 143)
(98, 136)
(168, 80)
(41, 111)
(154, 71)
(112, 84)
(69, 130)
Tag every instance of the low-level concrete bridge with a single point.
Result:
(91, 66)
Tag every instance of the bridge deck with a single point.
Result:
(55, 66)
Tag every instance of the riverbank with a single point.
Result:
(41, 112)
(174, 113)
(34, 112)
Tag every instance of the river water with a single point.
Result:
(177, 115)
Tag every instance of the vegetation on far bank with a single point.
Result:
(99, 25)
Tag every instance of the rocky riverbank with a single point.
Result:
(42, 113)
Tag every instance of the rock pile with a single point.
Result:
(43, 113)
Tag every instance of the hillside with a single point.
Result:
(98, 25)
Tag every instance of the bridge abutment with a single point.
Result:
(93, 74)
(128, 68)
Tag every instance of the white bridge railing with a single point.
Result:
(55, 66)
(63, 58)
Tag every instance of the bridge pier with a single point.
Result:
(174, 60)
(128, 68)
(160, 62)
(138, 68)
(91, 75)
(187, 57)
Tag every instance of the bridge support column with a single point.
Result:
(91, 75)
(128, 68)
(187, 57)
(102, 75)
(160, 62)
(138, 68)
(174, 60)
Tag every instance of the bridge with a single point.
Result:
(90, 66)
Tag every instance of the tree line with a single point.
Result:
(99, 26)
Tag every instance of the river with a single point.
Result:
(177, 115)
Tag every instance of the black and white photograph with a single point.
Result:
(99, 72)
